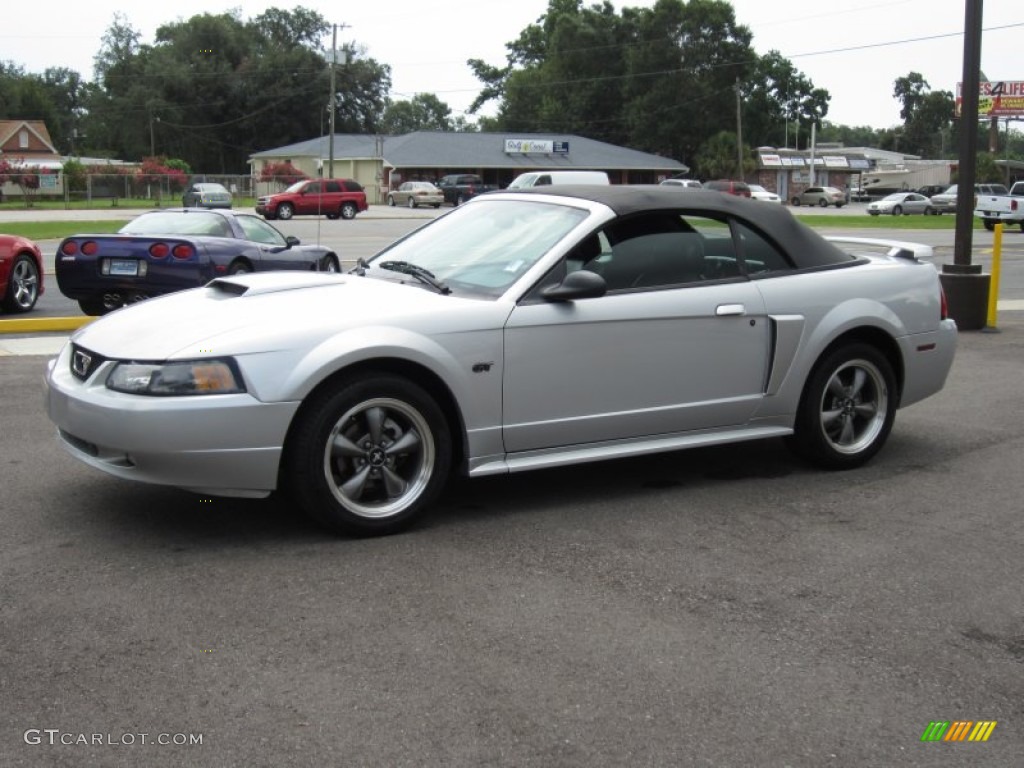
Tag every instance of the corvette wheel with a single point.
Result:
(239, 268)
(847, 409)
(285, 211)
(22, 286)
(329, 264)
(367, 457)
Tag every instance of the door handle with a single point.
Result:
(730, 310)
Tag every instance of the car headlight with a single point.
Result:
(186, 377)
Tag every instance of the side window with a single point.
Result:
(333, 186)
(654, 251)
(542, 181)
(258, 231)
(759, 255)
(355, 186)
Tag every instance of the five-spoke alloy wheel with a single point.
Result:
(367, 456)
(847, 409)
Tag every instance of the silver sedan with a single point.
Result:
(523, 330)
(902, 203)
(416, 193)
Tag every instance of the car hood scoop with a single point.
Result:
(256, 285)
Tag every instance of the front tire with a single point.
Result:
(368, 456)
(285, 211)
(823, 203)
(411, 203)
(897, 210)
(795, 202)
(239, 268)
(847, 408)
(391, 201)
(22, 286)
(329, 263)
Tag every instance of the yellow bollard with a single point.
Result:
(993, 287)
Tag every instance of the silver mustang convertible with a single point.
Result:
(523, 330)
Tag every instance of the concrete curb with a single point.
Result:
(43, 324)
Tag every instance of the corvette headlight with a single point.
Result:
(187, 377)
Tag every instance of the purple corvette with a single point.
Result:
(165, 251)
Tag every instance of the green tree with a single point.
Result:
(423, 112)
(927, 117)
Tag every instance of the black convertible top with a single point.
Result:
(806, 247)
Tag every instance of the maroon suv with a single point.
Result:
(334, 198)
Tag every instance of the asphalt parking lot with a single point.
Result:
(724, 607)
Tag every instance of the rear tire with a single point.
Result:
(369, 455)
(823, 203)
(95, 307)
(348, 210)
(847, 408)
(991, 225)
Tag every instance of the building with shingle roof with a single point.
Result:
(381, 163)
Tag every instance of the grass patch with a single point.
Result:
(55, 230)
(884, 222)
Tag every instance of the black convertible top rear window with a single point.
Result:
(805, 247)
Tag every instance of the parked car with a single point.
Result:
(902, 203)
(527, 329)
(737, 188)
(164, 251)
(206, 195)
(681, 183)
(859, 195)
(333, 198)
(946, 202)
(416, 193)
(823, 196)
(547, 178)
(931, 189)
(757, 192)
(459, 188)
(21, 273)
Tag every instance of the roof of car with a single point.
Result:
(802, 243)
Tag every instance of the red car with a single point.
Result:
(21, 273)
(334, 198)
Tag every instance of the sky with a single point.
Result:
(853, 48)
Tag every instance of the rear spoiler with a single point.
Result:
(894, 248)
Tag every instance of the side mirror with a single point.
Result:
(292, 240)
(581, 284)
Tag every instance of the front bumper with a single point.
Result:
(227, 445)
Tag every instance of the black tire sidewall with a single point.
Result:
(304, 453)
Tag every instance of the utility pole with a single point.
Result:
(333, 102)
(330, 141)
(739, 133)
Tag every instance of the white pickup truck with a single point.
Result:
(1002, 209)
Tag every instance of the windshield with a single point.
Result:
(295, 188)
(894, 198)
(485, 246)
(526, 180)
(178, 223)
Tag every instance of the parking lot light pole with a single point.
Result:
(965, 286)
